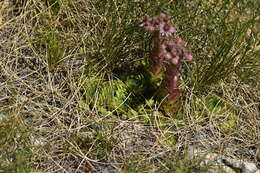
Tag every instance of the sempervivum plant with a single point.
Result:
(167, 53)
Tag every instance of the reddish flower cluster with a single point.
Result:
(174, 51)
(166, 53)
(160, 23)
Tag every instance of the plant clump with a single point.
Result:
(167, 53)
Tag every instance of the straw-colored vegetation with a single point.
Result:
(74, 94)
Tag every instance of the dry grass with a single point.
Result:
(47, 125)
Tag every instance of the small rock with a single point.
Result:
(218, 163)
(2, 116)
(249, 167)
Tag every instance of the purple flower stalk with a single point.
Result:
(167, 53)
